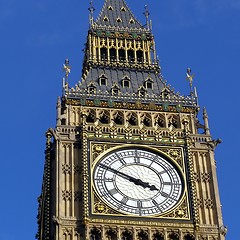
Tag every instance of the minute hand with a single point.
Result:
(136, 181)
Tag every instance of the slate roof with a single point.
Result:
(137, 78)
(116, 13)
(116, 76)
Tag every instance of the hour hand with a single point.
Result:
(144, 184)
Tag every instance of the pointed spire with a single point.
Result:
(206, 124)
(117, 14)
(190, 77)
(147, 14)
(91, 10)
(67, 70)
(58, 111)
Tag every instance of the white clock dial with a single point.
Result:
(137, 182)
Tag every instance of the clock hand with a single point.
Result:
(136, 181)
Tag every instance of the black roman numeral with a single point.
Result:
(113, 191)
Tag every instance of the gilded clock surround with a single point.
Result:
(180, 211)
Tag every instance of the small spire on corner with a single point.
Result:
(206, 124)
(91, 10)
(67, 70)
(190, 77)
(147, 14)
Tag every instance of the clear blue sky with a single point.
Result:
(36, 37)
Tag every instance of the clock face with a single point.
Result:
(137, 182)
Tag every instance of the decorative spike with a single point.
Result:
(206, 124)
(147, 14)
(190, 79)
(196, 95)
(91, 10)
(67, 70)
(58, 111)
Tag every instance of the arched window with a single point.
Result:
(140, 56)
(189, 237)
(160, 121)
(91, 117)
(104, 117)
(119, 20)
(130, 55)
(95, 234)
(133, 119)
(126, 235)
(148, 83)
(143, 235)
(131, 21)
(118, 118)
(146, 56)
(122, 55)
(113, 54)
(102, 80)
(103, 53)
(173, 236)
(158, 236)
(111, 234)
(173, 120)
(147, 120)
(105, 19)
(126, 82)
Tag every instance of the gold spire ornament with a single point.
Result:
(66, 68)
(190, 77)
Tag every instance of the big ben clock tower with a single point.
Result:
(126, 160)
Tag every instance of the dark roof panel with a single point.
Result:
(114, 10)
(137, 79)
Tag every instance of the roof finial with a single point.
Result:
(67, 70)
(147, 14)
(206, 124)
(91, 9)
(190, 79)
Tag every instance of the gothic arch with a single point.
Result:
(113, 54)
(146, 120)
(189, 237)
(126, 235)
(111, 234)
(95, 234)
(173, 236)
(139, 54)
(173, 120)
(118, 118)
(130, 54)
(160, 120)
(104, 117)
(142, 235)
(133, 119)
(103, 52)
(122, 54)
(91, 116)
(158, 236)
